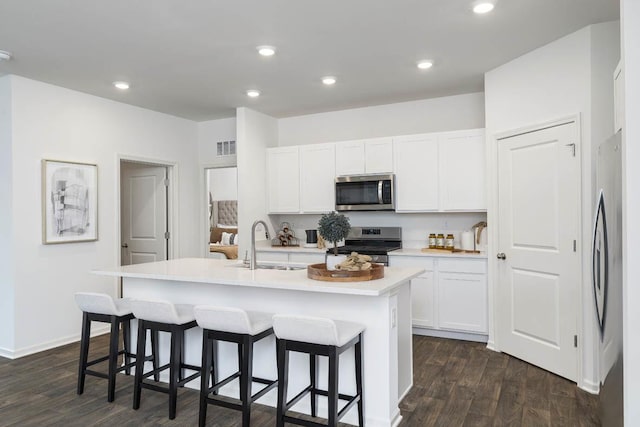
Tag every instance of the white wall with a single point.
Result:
(428, 115)
(6, 219)
(255, 133)
(51, 122)
(209, 133)
(630, 12)
(223, 183)
(572, 75)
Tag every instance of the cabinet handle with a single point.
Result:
(501, 255)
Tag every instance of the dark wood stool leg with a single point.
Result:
(174, 373)
(126, 344)
(246, 375)
(359, 382)
(313, 376)
(283, 374)
(204, 377)
(141, 347)
(114, 343)
(183, 372)
(84, 351)
(154, 353)
(333, 387)
(214, 362)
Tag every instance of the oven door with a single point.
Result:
(364, 193)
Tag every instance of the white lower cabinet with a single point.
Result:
(451, 295)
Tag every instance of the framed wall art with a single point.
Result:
(69, 202)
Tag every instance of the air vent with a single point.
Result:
(226, 148)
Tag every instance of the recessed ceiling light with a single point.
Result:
(121, 85)
(4, 55)
(253, 93)
(329, 80)
(425, 65)
(266, 50)
(483, 7)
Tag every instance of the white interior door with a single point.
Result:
(538, 227)
(143, 205)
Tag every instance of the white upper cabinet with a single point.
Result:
(416, 169)
(440, 172)
(618, 98)
(364, 156)
(462, 168)
(317, 178)
(283, 180)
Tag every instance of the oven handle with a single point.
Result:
(380, 192)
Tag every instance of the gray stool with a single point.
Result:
(166, 317)
(317, 337)
(243, 328)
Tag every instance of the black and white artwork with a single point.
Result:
(69, 202)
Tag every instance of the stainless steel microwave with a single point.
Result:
(365, 193)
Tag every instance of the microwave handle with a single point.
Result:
(380, 192)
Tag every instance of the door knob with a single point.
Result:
(124, 245)
(501, 255)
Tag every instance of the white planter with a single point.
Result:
(333, 260)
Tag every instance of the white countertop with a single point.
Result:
(418, 252)
(226, 272)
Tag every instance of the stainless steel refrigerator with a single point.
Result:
(607, 278)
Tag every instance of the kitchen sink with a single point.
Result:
(282, 267)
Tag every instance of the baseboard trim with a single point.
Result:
(26, 351)
(590, 387)
(464, 336)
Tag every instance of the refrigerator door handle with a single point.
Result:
(600, 262)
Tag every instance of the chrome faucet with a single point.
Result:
(252, 262)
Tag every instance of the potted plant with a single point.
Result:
(334, 227)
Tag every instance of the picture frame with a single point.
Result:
(69, 202)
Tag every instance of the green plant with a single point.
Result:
(334, 227)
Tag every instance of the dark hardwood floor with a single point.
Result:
(456, 383)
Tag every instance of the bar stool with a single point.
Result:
(317, 337)
(97, 307)
(243, 328)
(166, 317)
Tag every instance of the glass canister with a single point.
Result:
(448, 242)
(432, 241)
(440, 241)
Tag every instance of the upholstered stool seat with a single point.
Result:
(318, 337)
(163, 316)
(243, 328)
(98, 307)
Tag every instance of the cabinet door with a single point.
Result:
(378, 155)
(618, 98)
(349, 158)
(317, 178)
(462, 171)
(462, 302)
(416, 168)
(422, 301)
(283, 180)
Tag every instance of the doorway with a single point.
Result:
(221, 193)
(144, 212)
(538, 267)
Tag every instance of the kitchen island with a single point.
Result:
(383, 306)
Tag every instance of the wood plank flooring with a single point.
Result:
(456, 383)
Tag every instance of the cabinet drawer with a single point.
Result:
(477, 266)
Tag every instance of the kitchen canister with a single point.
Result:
(466, 241)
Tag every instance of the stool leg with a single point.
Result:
(114, 343)
(359, 384)
(246, 377)
(141, 344)
(333, 387)
(313, 376)
(126, 345)
(174, 372)
(182, 372)
(283, 374)
(84, 351)
(204, 378)
(155, 361)
(214, 362)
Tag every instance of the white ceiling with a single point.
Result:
(196, 58)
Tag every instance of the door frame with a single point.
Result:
(585, 344)
(219, 162)
(172, 201)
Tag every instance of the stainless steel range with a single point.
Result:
(373, 241)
